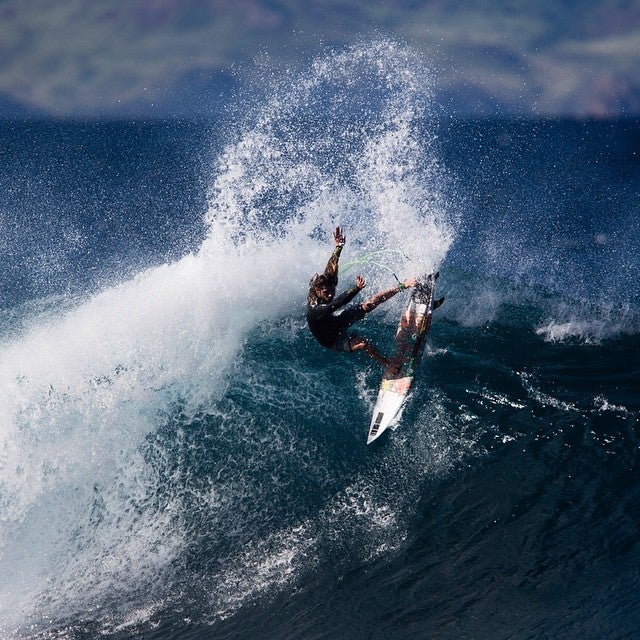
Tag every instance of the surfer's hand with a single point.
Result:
(338, 237)
(360, 282)
(409, 282)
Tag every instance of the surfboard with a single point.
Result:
(410, 339)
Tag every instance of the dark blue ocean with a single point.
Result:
(180, 460)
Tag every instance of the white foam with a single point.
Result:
(544, 399)
(589, 323)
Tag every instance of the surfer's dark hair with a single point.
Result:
(318, 280)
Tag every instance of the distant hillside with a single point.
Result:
(143, 58)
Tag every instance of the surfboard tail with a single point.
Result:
(374, 431)
(389, 404)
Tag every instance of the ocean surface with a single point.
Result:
(180, 460)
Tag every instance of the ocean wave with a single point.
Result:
(94, 505)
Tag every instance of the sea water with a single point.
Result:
(180, 459)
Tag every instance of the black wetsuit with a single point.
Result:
(330, 329)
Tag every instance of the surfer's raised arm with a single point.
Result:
(327, 282)
(339, 239)
(383, 296)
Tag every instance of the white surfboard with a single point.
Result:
(410, 338)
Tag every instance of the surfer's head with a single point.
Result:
(322, 287)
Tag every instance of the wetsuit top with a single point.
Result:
(327, 327)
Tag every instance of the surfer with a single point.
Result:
(331, 330)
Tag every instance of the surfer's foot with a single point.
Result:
(394, 367)
(437, 303)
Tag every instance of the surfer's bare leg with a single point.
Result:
(362, 344)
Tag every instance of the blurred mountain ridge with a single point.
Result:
(158, 58)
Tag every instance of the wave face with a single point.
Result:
(180, 459)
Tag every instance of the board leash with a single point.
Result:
(371, 258)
